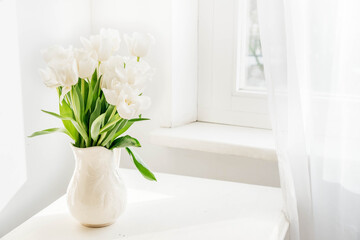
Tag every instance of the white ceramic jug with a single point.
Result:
(96, 195)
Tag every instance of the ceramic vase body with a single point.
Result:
(96, 195)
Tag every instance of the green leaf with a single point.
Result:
(80, 103)
(79, 128)
(128, 124)
(141, 166)
(110, 135)
(59, 90)
(96, 90)
(82, 131)
(48, 131)
(103, 101)
(125, 141)
(124, 125)
(138, 119)
(93, 79)
(89, 99)
(95, 113)
(84, 92)
(95, 126)
(102, 137)
(75, 103)
(86, 121)
(114, 120)
(109, 111)
(58, 116)
(65, 110)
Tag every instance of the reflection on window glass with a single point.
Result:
(254, 76)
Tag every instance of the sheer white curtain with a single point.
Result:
(312, 65)
(12, 143)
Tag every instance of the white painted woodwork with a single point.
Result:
(175, 207)
(218, 138)
(221, 34)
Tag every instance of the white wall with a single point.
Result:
(49, 162)
(49, 159)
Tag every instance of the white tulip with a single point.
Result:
(113, 63)
(103, 45)
(139, 44)
(56, 52)
(112, 95)
(86, 63)
(49, 77)
(127, 100)
(130, 104)
(62, 69)
(112, 70)
(118, 69)
(138, 74)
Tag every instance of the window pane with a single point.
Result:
(254, 68)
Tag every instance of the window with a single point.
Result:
(231, 71)
(251, 69)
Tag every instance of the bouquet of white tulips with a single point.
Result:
(100, 93)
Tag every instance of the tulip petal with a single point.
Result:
(111, 96)
(49, 78)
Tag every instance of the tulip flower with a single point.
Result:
(86, 63)
(138, 44)
(104, 45)
(62, 69)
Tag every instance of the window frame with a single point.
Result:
(221, 60)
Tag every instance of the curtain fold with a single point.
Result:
(312, 67)
(12, 143)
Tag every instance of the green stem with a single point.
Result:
(82, 87)
(97, 69)
(138, 59)
(59, 92)
(72, 102)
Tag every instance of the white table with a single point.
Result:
(175, 207)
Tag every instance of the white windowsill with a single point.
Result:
(218, 138)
